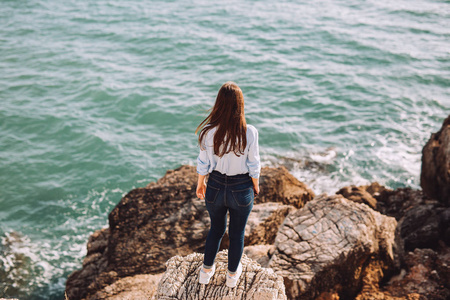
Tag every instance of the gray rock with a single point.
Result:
(137, 287)
(327, 243)
(263, 224)
(260, 253)
(180, 281)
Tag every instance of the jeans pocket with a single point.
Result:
(243, 198)
(211, 193)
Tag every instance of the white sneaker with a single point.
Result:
(204, 277)
(232, 280)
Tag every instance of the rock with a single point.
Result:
(358, 195)
(422, 221)
(260, 253)
(262, 225)
(427, 274)
(183, 176)
(180, 281)
(264, 221)
(372, 275)
(17, 268)
(144, 242)
(150, 225)
(421, 227)
(278, 185)
(395, 203)
(375, 189)
(363, 194)
(444, 225)
(328, 243)
(138, 287)
(331, 295)
(435, 175)
(98, 242)
(94, 263)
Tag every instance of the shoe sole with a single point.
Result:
(232, 285)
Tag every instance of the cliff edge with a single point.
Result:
(365, 242)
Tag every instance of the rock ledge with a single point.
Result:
(180, 281)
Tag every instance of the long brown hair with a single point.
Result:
(228, 116)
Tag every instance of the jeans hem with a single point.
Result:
(207, 267)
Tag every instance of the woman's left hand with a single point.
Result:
(255, 186)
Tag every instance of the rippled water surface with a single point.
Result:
(99, 97)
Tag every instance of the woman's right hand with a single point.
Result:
(201, 190)
(201, 186)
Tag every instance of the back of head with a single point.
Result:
(228, 117)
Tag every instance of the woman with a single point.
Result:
(229, 152)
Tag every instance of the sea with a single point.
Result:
(98, 97)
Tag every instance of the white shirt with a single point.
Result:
(230, 164)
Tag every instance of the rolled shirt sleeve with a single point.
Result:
(253, 159)
(203, 162)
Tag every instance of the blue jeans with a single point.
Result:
(233, 194)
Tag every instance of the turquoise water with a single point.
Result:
(100, 97)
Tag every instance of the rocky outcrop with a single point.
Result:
(424, 225)
(327, 244)
(426, 274)
(145, 236)
(180, 281)
(150, 225)
(278, 185)
(366, 242)
(423, 229)
(94, 264)
(262, 225)
(138, 287)
(435, 175)
(363, 194)
(422, 221)
(260, 253)
(396, 203)
(371, 290)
